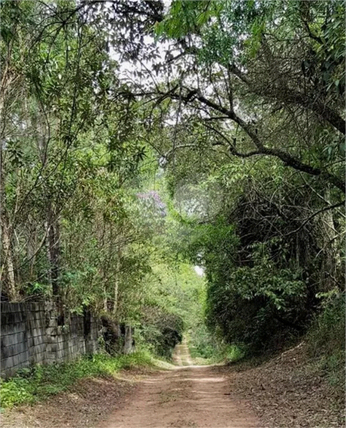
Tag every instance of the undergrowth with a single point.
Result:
(37, 383)
(203, 346)
(326, 341)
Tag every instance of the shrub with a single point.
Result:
(39, 382)
(201, 342)
(260, 305)
(327, 333)
(326, 338)
(161, 330)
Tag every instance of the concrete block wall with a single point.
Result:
(32, 333)
(36, 332)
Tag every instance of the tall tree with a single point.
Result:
(248, 71)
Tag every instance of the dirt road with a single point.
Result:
(285, 391)
(189, 396)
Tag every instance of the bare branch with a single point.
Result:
(329, 207)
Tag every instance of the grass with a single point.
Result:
(34, 384)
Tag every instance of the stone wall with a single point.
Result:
(32, 333)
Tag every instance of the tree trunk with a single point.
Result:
(128, 348)
(53, 249)
(331, 262)
(32, 248)
(7, 264)
(116, 282)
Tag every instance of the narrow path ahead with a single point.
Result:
(189, 396)
(181, 355)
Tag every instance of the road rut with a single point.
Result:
(187, 396)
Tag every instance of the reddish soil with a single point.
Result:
(183, 397)
(189, 396)
(288, 391)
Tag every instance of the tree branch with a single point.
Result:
(288, 96)
(329, 207)
(288, 159)
(232, 148)
(182, 146)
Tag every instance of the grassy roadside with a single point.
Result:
(31, 385)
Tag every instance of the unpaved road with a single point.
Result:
(189, 396)
(285, 391)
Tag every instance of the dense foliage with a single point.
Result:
(81, 217)
(32, 385)
(138, 140)
(260, 139)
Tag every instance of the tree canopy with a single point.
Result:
(140, 139)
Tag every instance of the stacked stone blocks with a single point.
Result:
(32, 333)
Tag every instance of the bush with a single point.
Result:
(327, 333)
(326, 338)
(201, 343)
(161, 331)
(204, 345)
(260, 306)
(234, 353)
(39, 382)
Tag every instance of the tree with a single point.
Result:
(56, 59)
(255, 90)
(248, 64)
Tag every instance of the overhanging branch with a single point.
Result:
(287, 158)
(329, 207)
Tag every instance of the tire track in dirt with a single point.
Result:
(182, 355)
(184, 397)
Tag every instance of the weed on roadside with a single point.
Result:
(38, 383)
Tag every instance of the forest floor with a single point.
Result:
(283, 392)
(290, 391)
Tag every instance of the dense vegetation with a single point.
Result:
(137, 142)
(32, 385)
